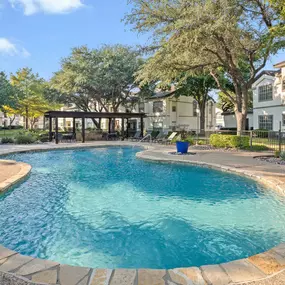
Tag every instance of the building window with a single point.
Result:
(141, 107)
(283, 119)
(266, 122)
(157, 107)
(195, 107)
(173, 108)
(283, 84)
(265, 93)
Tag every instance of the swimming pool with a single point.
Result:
(104, 208)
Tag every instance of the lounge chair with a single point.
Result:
(148, 136)
(161, 136)
(137, 136)
(170, 138)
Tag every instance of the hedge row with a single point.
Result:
(230, 141)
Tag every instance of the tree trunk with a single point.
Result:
(32, 123)
(241, 108)
(97, 125)
(202, 107)
(12, 121)
(241, 121)
(202, 120)
(5, 119)
(27, 118)
(100, 122)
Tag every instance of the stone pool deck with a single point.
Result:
(262, 269)
(11, 173)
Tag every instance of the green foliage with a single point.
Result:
(282, 155)
(7, 140)
(277, 154)
(184, 137)
(99, 77)
(279, 7)
(29, 100)
(25, 138)
(229, 141)
(201, 142)
(233, 38)
(257, 147)
(7, 91)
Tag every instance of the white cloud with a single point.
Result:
(11, 49)
(6, 47)
(47, 6)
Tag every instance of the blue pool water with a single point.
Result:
(105, 208)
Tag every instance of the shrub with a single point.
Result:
(229, 141)
(43, 138)
(277, 154)
(201, 142)
(282, 155)
(257, 148)
(188, 139)
(25, 139)
(7, 140)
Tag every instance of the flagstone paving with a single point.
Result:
(262, 269)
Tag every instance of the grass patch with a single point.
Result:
(8, 133)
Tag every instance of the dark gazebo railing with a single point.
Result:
(89, 115)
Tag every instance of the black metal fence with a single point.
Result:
(259, 139)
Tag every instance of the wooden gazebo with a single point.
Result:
(90, 115)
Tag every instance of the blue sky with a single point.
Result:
(38, 33)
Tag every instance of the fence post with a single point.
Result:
(280, 138)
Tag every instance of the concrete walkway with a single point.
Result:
(262, 269)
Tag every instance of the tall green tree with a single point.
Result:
(199, 88)
(7, 96)
(29, 94)
(279, 5)
(98, 79)
(216, 36)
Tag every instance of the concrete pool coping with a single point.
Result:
(265, 268)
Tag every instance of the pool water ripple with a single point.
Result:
(103, 208)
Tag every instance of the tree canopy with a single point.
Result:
(7, 91)
(95, 79)
(26, 97)
(214, 36)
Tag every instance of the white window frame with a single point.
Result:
(265, 93)
(157, 109)
(266, 122)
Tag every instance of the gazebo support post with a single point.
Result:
(127, 127)
(50, 129)
(56, 130)
(110, 122)
(74, 126)
(83, 130)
